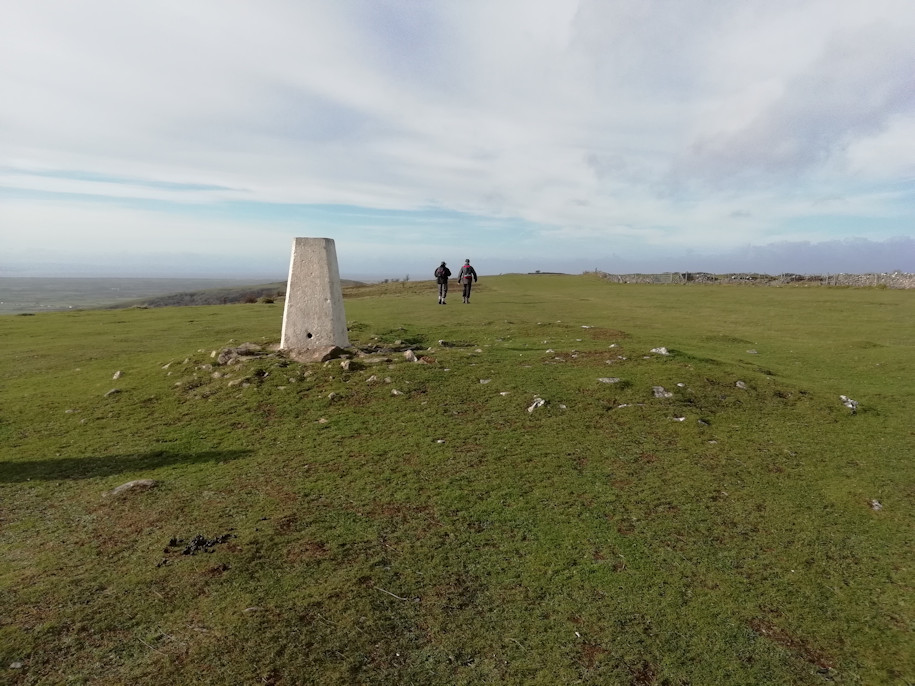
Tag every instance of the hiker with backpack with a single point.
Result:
(442, 274)
(467, 277)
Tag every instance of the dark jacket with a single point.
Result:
(467, 272)
(442, 274)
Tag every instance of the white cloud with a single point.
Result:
(645, 122)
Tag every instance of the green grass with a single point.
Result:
(446, 535)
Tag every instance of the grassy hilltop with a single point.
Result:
(742, 528)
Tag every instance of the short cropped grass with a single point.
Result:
(747, 528)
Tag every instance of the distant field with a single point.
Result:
(714, 515)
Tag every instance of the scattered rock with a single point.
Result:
(503, 393)
(113, 391)
(440, 440)
(410, 356)
(249, 610)
(876, 506)
(609, 379)
(659, 392)
(394, 391)
(678, 419)
(485, 381)
(660, 351)
(753, 352)
(16, 665)
(322, 354)
(322, 420)
(117, 375)
(741, 385)
(849, 403)
(199, 543)
(331, 396)
(372, 379)
(136, 485)
(538, 402)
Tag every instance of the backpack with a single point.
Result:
(439, 272)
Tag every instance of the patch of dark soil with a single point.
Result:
(642, 674)
(198, 544)
(792, 643)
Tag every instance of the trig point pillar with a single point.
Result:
(313, 316)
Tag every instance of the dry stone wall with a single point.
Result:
(882, 280)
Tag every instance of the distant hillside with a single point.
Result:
(218, 296)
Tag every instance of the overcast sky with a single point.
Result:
(199, 137)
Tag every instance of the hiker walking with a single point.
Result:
(467, 276)
(442, 274)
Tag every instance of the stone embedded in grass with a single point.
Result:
(394, 391)
(660, 392)
(117, 375)
(660, 351)
(485, 381)
(200, 543)
(741, 385)
(538, 402)
(410, 356)
(876, 506)
(322, 354)
(136, 485)
(113, 391)
(849, 403)
(609, 379)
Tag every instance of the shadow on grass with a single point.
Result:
(90, 467)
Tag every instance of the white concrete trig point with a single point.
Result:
(313, 315)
